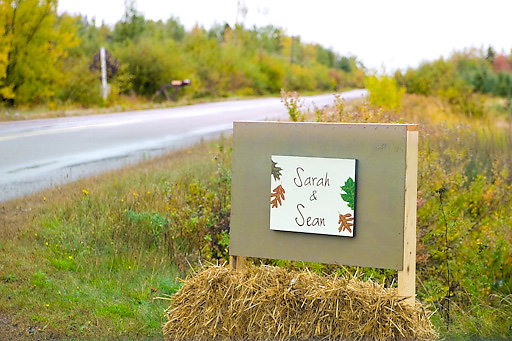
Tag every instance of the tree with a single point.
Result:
(33, 44)
(90, 36)
(132, 26)
(151, 65)
(270, 38)
(326, 56)
(175, 29)
(6, 92)
(491, 54)
(501, 64)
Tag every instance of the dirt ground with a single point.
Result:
(10, 330)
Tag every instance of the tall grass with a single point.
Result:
(88, 260)
(464, 251)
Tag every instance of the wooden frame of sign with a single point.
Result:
(280, 168)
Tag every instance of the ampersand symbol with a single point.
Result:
(313, 196)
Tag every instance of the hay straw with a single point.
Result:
(274, 303)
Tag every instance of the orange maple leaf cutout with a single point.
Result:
(346, 222)
(278, 196)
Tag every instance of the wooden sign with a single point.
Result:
(313, 195)
(290, 186)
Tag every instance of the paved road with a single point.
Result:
(38, 154)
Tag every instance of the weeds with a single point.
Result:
(87, 260)
(294, 104)
(199, 211)
(464, 249)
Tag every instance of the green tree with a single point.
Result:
(175, 29)
(270, 38)
(504, 86)
(272, 73)
(345, 64)
(150, 64)
(491, 54)
(132, 26)
(79, 85)
(206, 59)
(91, 38)
(326, 56)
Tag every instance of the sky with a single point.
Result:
(384, 35)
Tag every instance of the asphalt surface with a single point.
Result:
(39, 154)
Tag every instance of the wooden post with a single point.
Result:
(407, 276)
(237, 262)
(103, 61)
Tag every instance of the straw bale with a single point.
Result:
(274, 303)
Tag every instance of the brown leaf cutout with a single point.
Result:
(346, 222)
(278, 195)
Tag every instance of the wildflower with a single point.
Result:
(35, 234)
(134, 194)
(46, 243)
(129, 267)
(122, 200)
(78, 288)
(70, 257)
(85, 192)
(149, 192)
(44, 198)
(59, 292)
(47, 305)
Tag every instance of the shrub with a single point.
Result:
(384, 92)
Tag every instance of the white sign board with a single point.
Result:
(313, 195)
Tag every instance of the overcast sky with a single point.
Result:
(394, 33)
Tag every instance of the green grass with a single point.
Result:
(79, 290)
(125, 103)
(89, 259)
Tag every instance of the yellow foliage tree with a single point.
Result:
(384, 92)
(32, 46)
(5, 47)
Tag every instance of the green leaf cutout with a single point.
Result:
(350, 192)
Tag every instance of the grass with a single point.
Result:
(88, 259)
(126, 103)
